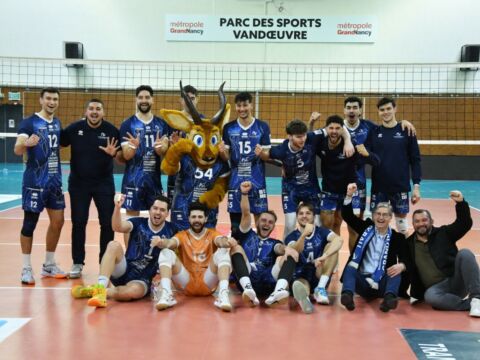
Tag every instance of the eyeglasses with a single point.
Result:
(382, 214)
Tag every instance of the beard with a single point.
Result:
(197, 227)
(144, 108)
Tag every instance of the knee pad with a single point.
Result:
(402, 225)
(167, 258)
(221, 257)
(30, 220)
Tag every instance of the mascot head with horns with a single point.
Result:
(203, 137)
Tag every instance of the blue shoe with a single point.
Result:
(321, 296)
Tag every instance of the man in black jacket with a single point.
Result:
(441, 274)
(372, 269)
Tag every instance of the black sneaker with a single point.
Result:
(390, 302)
(347, 300)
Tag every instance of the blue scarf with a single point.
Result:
(359, 251)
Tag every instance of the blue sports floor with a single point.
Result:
(11, 185)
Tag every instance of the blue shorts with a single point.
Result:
(307, 272)
(399, 201)
(262, 281)
(134, 273)
(257, 198)
(291, 197)
(36, 199)
(331, 201)
(180, 219)
(141, 197)
(359, 200)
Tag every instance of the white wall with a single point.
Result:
(409, 30)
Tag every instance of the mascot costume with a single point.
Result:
(201, 175)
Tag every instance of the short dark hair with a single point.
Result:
(143, 88)
(296, 127)
(334, 119)
(198, 206)
(270, 212)
(94, 100)
(190, 89)
(51, 90)
(352, 99)
(243, 96)
(161, 198)
(419, 211)
(385, 100)
(306, 204)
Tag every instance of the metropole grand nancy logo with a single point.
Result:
(195, 27)
(354, 29)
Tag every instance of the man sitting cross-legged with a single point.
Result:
(201, 262)
(131, 272)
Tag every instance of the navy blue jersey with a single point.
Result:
(241, 143)
(145, 163)
(299, 166)
(314, 245)
(43, 160)
(337, 170)
(191, 183)
(259, 251)
(359, 136)
(139, 244)
(399, 157)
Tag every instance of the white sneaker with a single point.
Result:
(27, 276)
(249, 297)
(167, 300)
(223, 300)
(300, 293)
(75, 271)
(52, 270)
(320, 295)
(279, 297)
(475, 307)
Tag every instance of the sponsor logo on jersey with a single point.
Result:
(80, 132)
(398, 135)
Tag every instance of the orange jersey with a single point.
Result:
(195, 255)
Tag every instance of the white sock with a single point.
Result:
(223, 285)
(281, 284)
(245, 282)
(103, 280)
(49, 258)
(323, 281)
(166, 284)
(27, 260)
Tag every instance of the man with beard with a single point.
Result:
(39, 137)
(318, 248)
(372, 269)
(440, 273)
(197, 260)
(337, 171)
(93, 143)
(131, 272)
(145, 139)
(399, 156)
(257, 260)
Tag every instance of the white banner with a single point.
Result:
(354, 29)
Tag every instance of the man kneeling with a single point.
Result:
(130, 273)
(203, 261)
